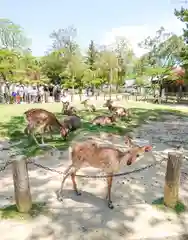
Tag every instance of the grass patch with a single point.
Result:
(12, 124)
(11, 212)
(179, 208)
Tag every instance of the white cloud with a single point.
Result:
(135, 34)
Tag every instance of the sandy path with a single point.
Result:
(87, 216)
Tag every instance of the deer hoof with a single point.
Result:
(59, 197)
(78, 193)
(110, 205)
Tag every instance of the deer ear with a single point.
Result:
(146, 148)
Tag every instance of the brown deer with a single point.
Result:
(88, 107)
(67, 109)
(72, 122)
(120, 111)
(108, 159)
(40, 120)
(104, 120)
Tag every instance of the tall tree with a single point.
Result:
(182, 15)
(91, 56)
(108, 65)
(12, 36)
(53, 65)
(125, 58)
(64, 38)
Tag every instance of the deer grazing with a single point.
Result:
(88, 107)
(108, 159)
(41, 120)
(67, 109)
(119, 111)
(104, 120)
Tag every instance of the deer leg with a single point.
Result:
(35, 139)
(42, 138)
(42, 134)
(68, 172)
(74, 184)
(50, 128)
(108, 196)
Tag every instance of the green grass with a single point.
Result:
(12, 123)
(11, 212)
(179, 208)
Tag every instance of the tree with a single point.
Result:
(182, 15)
(64, 38)
(73, 72)
(108, 66)
(125, 58)
(163, 53)
(91, 73)
(8, 60)
(12, 36)
(91, 57)
(52, 65)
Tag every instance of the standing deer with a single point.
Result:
(120, 111)
(108, 159)
(88, 107)
(41, 120)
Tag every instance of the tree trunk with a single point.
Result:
(179, 93)
(172, 179)
(21, 186)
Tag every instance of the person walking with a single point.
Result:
(46, 93)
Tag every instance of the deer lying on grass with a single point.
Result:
(41, 120)
(88, 107)
(120, 111)
(104, 120)
(67, 109)
(108, 159)
(72, 122)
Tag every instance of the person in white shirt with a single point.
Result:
(25, 97)
(41, 93)
(29, 91)
(21, 92)
(34, 94)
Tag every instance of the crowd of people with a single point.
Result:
(26, 93)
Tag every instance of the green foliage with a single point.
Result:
(12, 36)
(182, 15)
(11, 212)
(92, 55)
(73, 69)
(179, 208)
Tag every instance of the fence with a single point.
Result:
(22, 188)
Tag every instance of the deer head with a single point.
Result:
(135, 151)
(113, 117)
(108, 103)
(84, 102)
(64, 131)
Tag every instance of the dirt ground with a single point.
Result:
(87, 216)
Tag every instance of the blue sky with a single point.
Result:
(97, 20)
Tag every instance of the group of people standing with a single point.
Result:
(26, 93)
